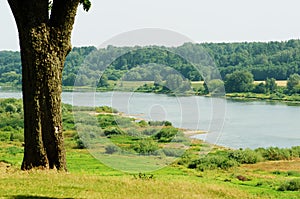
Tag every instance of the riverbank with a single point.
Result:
(136, 87)
(293, 99)
(247, 123)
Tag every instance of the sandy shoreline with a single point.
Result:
(190, 133)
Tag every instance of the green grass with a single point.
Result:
(89, 178)
(62, 185)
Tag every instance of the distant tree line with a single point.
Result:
(276, 60)
(271, 60)
(242, 81)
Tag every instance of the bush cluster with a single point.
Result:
(105, 109)
(213, 162)
(246, 156)
(292, 185)
(166, 134)
(231, 158)
(275, 153)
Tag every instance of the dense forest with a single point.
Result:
(276, 60)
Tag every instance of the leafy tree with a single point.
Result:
(239, 81)
(44, 28)
(216, 86)
(158, 80)
(260, 88)
(103, 81)
(185, 86)
(292, 83)
(69, 79)
(12, 77)
(173, 82)
(271, 85)
(133, 76)
(206, 90)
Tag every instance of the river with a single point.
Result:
(230, 123)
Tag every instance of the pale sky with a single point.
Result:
(199, 20)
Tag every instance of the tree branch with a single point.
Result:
(63, 13)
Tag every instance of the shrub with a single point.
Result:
(14, 150)
(7, 129)
(80, 143)
(180, 138)
(85, 118)
(67, 108)
(112, 120)
(68, 121)
(142, 123)
(275, 153)
(295, 151)
(11, 108)
(4, 136)
(146, 147)
(110, 149)
(292, 185)
(166, 134)
(125, 122)
(11, 105)
(173, 152)
(246, 156)
(211, 162)
(276, 172)
(259, 88)
(167, 123)
(113, 131)
(105, 109)
(14, 120)
(106, 121)
(187, 158)
(16, 136)
(150, 131)
(84, 139)
(133, 132)
(160, 123)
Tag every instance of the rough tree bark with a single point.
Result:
(44, 36)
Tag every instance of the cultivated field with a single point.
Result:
(279, 82)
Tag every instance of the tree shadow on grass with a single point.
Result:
(34, 197)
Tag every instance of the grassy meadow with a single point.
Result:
(223, 173)
(89, 178)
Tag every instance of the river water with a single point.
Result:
(230, 123)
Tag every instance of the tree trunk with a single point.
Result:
(42, 62)
(44, 43)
